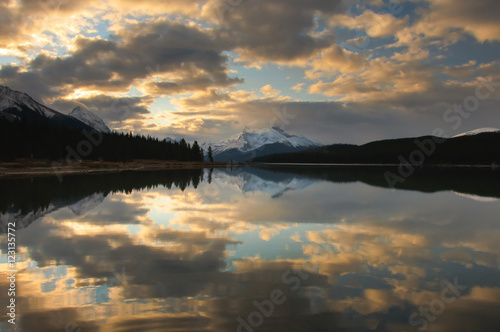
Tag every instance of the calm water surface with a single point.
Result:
(289, 249)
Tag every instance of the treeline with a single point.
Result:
(29, 139)
(481, 149)
(25, 195)
(480, 181)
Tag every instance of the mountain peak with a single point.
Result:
(5, 90)
(16, 105)
(89, 118)
(257, 142)
(78, 109)
(13, 102)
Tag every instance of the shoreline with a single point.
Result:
(378, 165)
(36, 168)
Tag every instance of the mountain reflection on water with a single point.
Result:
(255, 249)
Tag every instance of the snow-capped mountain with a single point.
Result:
(254, 180)
(23, 219)
(89, 119)
(16, 105)
(13, 102)
(478, 131)
(88, 203)
(172, 140)
(274, 189)
(249, 145)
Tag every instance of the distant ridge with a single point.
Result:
(479, 148)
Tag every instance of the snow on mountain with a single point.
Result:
(16, 100)
(254, 183)
(251, 141)
(88, 203)
(89, 119)
(477, 198)
(248, 141)
(16, 104)
(250, 180)
(23, 220)
(172, 140)
(478, 131)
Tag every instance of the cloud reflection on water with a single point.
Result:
(189, 260)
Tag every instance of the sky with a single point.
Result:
(337, 71)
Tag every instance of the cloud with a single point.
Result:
(169, 57)
(47, 7)
(152, 7)
(325, 121)
(477, 18)
(377, 25)
(388, 98)
(280, 31)
(10, 25)
(334, 60)
(268, 90)
(32, 25)
(463, 72)
(268, 233)
(109, 108)
(55, 320)
(296, 237)
(298, 87)
(192, 52)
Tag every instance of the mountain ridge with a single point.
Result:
(478, 131)
(90, 119)
(17, 105)
(477, 149)
(248, 145)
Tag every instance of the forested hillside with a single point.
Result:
(41, 140)
(480, 149)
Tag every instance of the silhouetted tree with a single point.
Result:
(210, 156)
(197, 153)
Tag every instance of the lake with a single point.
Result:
(254, 249)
